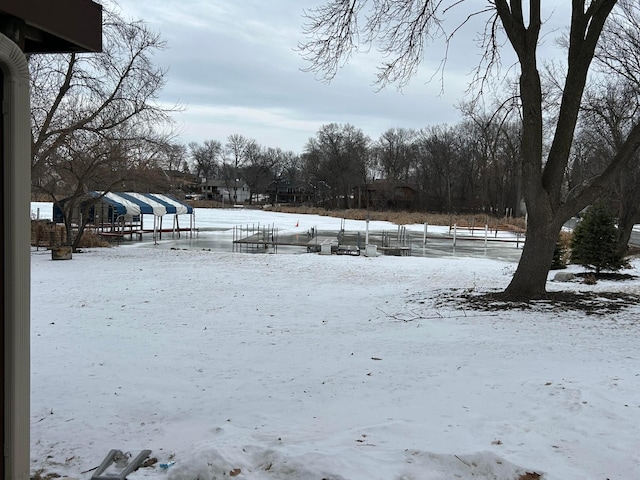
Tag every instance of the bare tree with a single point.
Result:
(172, 155)
(91, 112)
(342, 153)
(443, 164)
(608, 114)
(102, 168)
(236, 156)
(401, 29)
(257, 169)
(497, 146)
(395, 153)
(207, 158)
(291, 166)
(619, 105)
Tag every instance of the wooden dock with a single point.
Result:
(263, 239)
(331, 245)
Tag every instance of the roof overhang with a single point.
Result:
(56, 26)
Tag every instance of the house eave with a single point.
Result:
(62, 26)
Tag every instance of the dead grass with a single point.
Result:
(406, 218)
(204, 203)
(40, 475)
(44, 233)
(47, 234)
(399, 218)
(530, 476)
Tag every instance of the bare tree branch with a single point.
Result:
(398, 29)
(95, 117)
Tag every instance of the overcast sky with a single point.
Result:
(233, 66)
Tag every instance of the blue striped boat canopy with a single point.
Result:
(131, 203)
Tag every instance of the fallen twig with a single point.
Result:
(437, 315)
(462, 461)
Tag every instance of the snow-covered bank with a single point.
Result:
(308, 366)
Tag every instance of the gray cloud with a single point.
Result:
(235, 68)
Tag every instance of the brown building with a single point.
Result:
(388, 194)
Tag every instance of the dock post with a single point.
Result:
(486, 233)
(366, 236)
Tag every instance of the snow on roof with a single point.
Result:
(131, 203)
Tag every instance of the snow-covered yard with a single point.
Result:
(323, 367)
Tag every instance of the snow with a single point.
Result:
(306, 366)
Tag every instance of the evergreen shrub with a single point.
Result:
(593, 244)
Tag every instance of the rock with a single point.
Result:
(564, 277)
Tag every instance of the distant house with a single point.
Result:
(226, 191)
(285, 191)
(383, 194)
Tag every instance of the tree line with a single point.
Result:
(467, 167)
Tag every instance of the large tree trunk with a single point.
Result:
(68, 231)
(629, 215)
(629, 212)
(78, 237)
(530, 278)
(543, 181)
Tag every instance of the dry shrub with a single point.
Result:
(530, 476)
(590, 279)
(565, 238)
(565, 243)
(91, 239)
(204, 203)
(39, 233)
(45, 233)
(40, 475)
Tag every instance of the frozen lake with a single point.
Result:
(218, 227)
